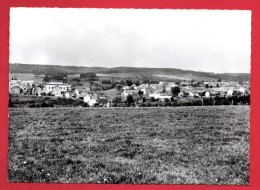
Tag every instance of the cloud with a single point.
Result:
(204, 40)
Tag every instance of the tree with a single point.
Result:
(129, 99)
(140, 93)
(129, 82)
(116, 100)
(152, 99)
(88, 75)
(175, 90)
(106, 81)
(119, 86)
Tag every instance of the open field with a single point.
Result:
(198, 145)
(28, 76)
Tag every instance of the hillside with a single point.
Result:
(44, 69)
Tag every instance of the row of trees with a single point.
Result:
(133, 101)
(36, 102)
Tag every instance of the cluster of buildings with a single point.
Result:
(162, 91)
(58, 89)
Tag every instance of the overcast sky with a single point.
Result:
(201, 40)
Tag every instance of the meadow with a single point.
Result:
(170, 145)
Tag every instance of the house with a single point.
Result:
(146, 91)
(91, 99)
(230, 92)
(126, 87)
(125, 93)
(220, 91)
(193, 93)
(205, 94)
(14, 83)
(202, 91)
(81, 93)
(157, 87)
(38, 91)
(27, 82)
(51, 85)
(240, 90)
(56, 91)
(164, 97)
(76, 92)
(144, 86)
(154, 95)
(170, 85)
(15, 90)
(161, 97)
(70, 94)
(134, 87)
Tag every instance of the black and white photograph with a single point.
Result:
(129, 96)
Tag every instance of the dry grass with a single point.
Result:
(190, 145)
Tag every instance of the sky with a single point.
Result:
(202, 40)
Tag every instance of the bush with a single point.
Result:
(88, 75)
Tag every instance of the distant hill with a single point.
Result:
(54, 69)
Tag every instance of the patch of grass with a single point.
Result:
(181, 145)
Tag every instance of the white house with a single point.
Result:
(91, 99)
(207, 94)
(230, 92)
(51, 85)
(159, 96)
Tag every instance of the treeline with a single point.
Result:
(55, 77)
(37, 102)
(42, 102)
(235, 100)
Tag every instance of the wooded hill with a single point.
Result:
(55, 69)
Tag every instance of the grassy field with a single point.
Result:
(180, 145)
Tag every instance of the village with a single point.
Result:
(122, 93)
